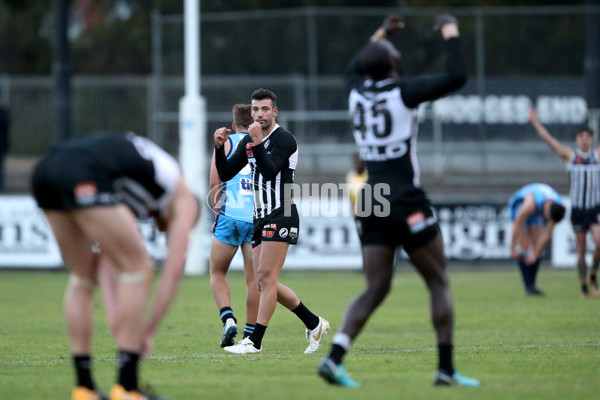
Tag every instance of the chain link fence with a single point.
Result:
(476, 142)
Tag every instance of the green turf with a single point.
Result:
(519, 347)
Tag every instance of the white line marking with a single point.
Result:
(38, 362)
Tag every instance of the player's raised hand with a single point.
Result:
(533, 116)
(447, 24)
(221, 136)
(255, 131)
(392, 24)
(444, 19)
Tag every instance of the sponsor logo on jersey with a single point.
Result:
(268, 233)
(267, 143)
(293, 232)
(417, 222)
(283, 232)
(245, 185)
(86, 193)
(249, 149)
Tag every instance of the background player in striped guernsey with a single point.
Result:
(583, 165)
(91, 190)
(384, 110)
(535, 209)
(272, 153)
(233, 205)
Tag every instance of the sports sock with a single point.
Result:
(128, 374)
(525, 274)
(584, 289)
(83, 371)
(257, 335)
(534, 270)
(337, 353)
(341, 344)
(310, 320)
(594, 281)
(248, 329)
(226, 312)
(445, 358)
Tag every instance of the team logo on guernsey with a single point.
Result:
(293, 233)
(86, 193)
(283, 232)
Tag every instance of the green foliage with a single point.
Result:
(519, 347)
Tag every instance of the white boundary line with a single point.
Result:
(256, 356)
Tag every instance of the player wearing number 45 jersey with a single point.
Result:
(272, 153)
(384, 110)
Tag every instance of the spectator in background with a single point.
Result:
(583, 164)
(4, 140)
(534, 210)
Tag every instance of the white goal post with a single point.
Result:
(192, 138)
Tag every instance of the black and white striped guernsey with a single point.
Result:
(273, 164)
(584, 174)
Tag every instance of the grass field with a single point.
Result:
(519, 347)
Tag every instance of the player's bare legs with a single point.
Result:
(268, 259)
(379, 268)
(115, 229)
(252, 293)
(595, 228)
(378, 262)
(580, 246)
(221, 254)
(107, 276)
(77, 254)
(430, 261)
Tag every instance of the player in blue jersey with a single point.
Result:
(234, 210)
(534, 211)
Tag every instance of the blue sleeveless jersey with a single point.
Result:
(239, 200)
(541, 192)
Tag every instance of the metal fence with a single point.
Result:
(475, 142)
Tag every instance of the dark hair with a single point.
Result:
(557, 212)
(377, 59)
(582, 129)
(261, 94)
(242, 115)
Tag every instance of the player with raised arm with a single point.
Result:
(272, 153)
(385, 121)
(583, 164)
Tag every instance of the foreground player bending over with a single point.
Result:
(272, 153)
(91, 190)
(384, 109)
